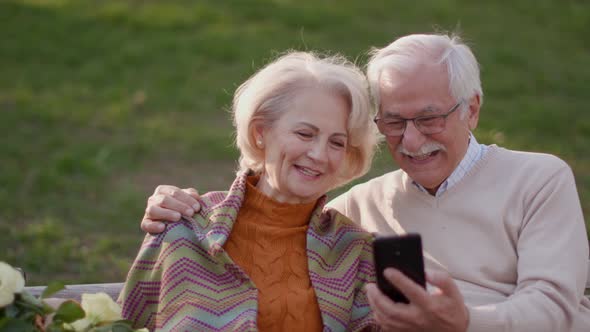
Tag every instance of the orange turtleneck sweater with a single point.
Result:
(268, 241)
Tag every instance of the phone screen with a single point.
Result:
(403, 252)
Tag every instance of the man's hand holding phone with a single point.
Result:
(442, 310)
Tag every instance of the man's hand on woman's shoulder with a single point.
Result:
(168, 203)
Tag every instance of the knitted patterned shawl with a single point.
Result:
(183, 280)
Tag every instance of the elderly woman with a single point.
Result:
(265, 255)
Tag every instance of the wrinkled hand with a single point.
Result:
(168, 203)
(443, 310)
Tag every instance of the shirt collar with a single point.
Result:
(472, 155)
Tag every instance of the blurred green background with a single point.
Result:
(100, 101)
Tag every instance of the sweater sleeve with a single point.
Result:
(339, 204)
(347, 205)
(552, 263)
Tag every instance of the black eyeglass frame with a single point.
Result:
(403, 130)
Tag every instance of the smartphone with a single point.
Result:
(403, 252)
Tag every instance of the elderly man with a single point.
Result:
(504, 237)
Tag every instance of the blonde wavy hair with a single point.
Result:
(266, 95)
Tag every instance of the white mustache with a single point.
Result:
(425, 149)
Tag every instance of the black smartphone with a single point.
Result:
(403, 252)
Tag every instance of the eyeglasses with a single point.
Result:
(427, 124)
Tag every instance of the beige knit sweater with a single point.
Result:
(511, 233)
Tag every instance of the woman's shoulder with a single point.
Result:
(196, 227)
(211, 199)
(334, 222)
(182, 230)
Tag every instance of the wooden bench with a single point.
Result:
(74, 292)
(113, 289)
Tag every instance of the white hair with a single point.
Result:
(411, 50)
(268, 94)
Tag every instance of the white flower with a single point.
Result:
(99, 307)
(11, 282)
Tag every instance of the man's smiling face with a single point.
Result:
(421, 91)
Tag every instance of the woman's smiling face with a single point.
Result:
(305, 148)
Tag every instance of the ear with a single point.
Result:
(473, 112)
(257, 133)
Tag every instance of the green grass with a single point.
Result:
(100, 101)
